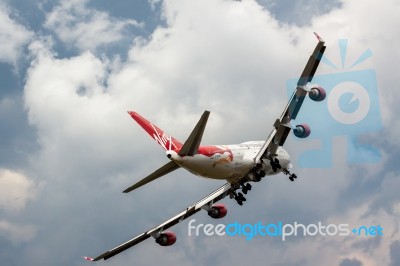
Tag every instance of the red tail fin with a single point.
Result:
(166, 141)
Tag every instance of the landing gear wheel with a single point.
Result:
(239, 200)
(241, 197)
(261, 173)
(257, 177)
(275, 164)
(278, 165)
(245, 188)
(292, 177)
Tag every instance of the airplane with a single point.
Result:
(239, 164)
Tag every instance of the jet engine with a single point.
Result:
(217, 211)
(166, 239)
(302, 131)
(317, 94)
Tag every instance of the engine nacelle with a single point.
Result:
(166, 239)
(317, 94)
(217, 211)
(302, 131)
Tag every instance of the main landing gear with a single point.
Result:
(275, 164)
(255, 176)
(238, 196)
(246, 187)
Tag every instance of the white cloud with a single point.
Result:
(72, 110)
(69, 103)
(15, 190)
(77, 25)
(13, 37)
(230, 57)
(154, 3)
(17, 233)
(299, 12)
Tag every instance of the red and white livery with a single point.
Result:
(238, 164)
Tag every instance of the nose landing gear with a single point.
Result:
(292, 176)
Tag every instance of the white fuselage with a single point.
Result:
(229, 162)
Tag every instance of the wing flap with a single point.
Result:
(128, 244)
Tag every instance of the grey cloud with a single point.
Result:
(17, 137)
(13, 37)
(368, 245)
(229, 57)
(395, 253)
(299, 12)
(85, 28)
(351, 262)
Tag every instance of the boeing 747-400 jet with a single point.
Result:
(238, 164)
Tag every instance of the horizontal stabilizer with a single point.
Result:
(168, 168)
(191, 145)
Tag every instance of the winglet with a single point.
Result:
(318, 37)
(88, 258)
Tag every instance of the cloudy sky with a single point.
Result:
(70, 70)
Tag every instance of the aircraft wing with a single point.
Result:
(282, 125)
(204, 203)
